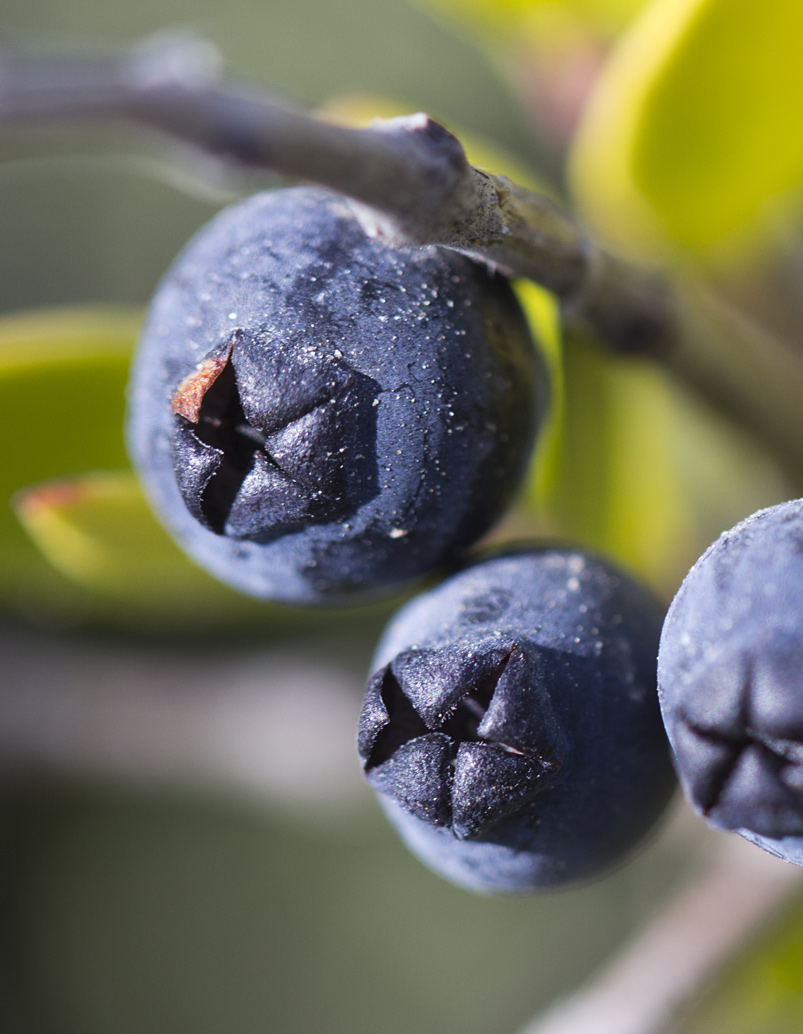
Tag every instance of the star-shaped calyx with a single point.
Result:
(738, 727)
(268, 440)
(443, 733)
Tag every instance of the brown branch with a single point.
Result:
(409, 176)
(411, 184)
(643, 990)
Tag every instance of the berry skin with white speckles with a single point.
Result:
(319, 418)
(731, 681)
(511, 726)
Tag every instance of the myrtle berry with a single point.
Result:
(731, 680)
(316, 415)
(511, 726)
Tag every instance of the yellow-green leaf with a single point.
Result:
(543, 315)
(641, 471)
(606, 472)
(615, 480)
(62, 399)
(97, 529)
(696, 126)
(514, 19)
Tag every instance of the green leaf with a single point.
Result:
(633, 467)
(62, 397)
(762, 991)
(98, 530)
(696, 125)
(610, 421)
(543, 314)
(615, 479)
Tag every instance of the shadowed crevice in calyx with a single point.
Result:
(742, 741)
(267, 443)
(436, 737)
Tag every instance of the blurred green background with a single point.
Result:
(176, 886)
(185, 844)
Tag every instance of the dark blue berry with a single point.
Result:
(731, 680)
(511, 727)
(316, 415)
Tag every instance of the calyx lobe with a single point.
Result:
(435, 736)
(268, 438)
(739, 731)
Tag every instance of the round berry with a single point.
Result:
(511, 727)
(316, 415)
(731, 680)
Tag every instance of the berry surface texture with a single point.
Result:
(511, 726)
(729, 670)
(319, 418)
